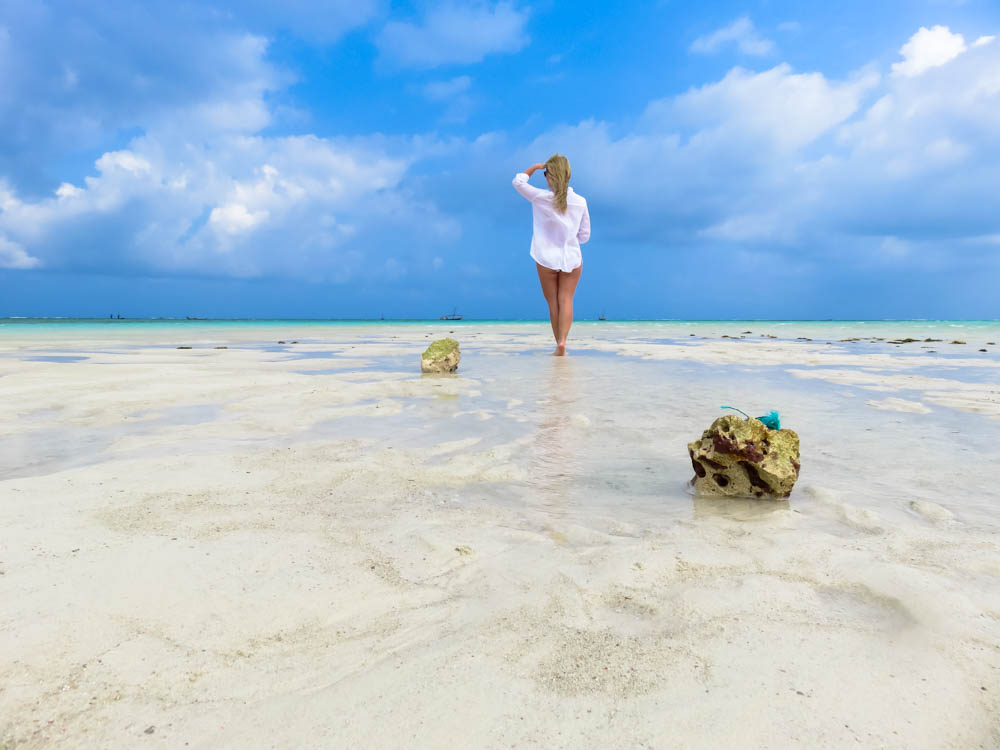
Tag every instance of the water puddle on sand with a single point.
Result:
(55, 358)
(35, 452)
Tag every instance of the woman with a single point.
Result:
(561, 225)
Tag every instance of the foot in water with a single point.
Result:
(560, 350)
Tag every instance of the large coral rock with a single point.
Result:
(740, 457)
(441, 356)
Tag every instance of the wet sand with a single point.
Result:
(312, 545)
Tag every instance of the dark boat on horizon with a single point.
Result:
(453, 315)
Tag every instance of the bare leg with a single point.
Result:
(564, 296)
(550, 288)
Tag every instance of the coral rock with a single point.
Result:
(441, 356)
(739, 457)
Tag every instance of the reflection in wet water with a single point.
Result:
(554, 463)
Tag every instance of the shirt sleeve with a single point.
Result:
(583, 234)
(525, 188)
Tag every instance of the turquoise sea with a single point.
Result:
(988, 330)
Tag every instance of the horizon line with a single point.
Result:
(69, 318)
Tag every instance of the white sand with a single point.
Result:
(210, 548)
(899, 404)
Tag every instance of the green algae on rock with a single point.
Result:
(738, 457)
(441, 356)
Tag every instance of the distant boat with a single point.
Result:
(453, 315)
(602, 316)
(190, 318)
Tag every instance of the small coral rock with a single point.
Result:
(441, 356)
(739, 457)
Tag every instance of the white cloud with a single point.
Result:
(454, 33)
(741, 33)
(12, 255)
(777, 107)
(66, 190)
(439, 90)
(91, 73)
(230, 205)
(767, 169)
(983, 41)
(902, 168)
(124, 160)
(235, 218)
(928, 48)
(199, 191)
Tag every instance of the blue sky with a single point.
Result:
(755, 159)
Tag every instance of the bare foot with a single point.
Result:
(560, 350)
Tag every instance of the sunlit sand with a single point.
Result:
(314, 544)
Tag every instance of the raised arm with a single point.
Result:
(583, 234)
(522, 185)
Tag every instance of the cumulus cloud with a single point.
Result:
(123, 160)
(13, 255)
(454, 33)
(740, 33)
(797, 171)
(835, 171)
(199, 190)
(928, 48)
(86, 74)
(237, 205)
(785, 109)
(236, 218)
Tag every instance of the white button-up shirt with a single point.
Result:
(556, 237)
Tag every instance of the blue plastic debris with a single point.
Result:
(771, 420)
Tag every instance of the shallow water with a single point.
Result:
(602, 428)
(597, 431)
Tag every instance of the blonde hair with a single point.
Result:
(559, 172)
